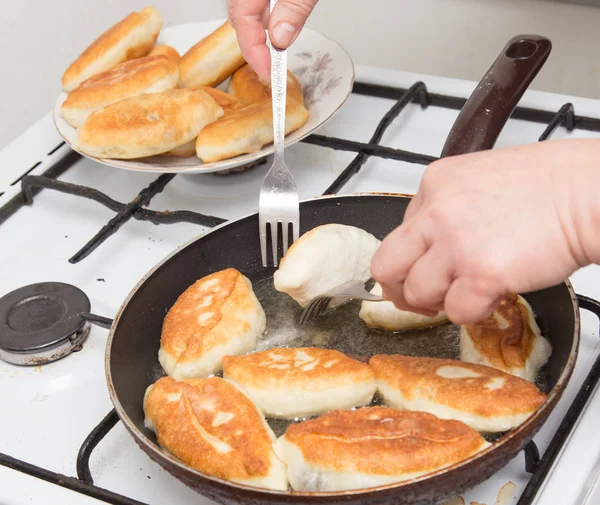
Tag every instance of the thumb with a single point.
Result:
(287, 20)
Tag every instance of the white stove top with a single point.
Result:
(48, 411)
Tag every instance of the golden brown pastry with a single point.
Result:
(212, 60)
(227, 102)
(484, 398)
(372, 446)
(148, 124)
(509, 340)
(299, 382)
(166, 50)
(133, 37)
(247, 86)
(150, 74)
(218, 315)
(183, 151)
(211, 426)
(246, 130)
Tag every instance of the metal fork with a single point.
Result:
(352, 290)
(278, 201)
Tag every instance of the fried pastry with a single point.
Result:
(372, 446)
(482, 397)
(324, 258)
(213, 427)
(246, 130)
(298, 382)
(211, 60)
(218, 315)
(226, 101)
(509, 340)
(183, 151)
(150, 74)
(248, 88)
(168, 51)
(385, 315)
(132, 37)
(147, 125)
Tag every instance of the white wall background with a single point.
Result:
(454, 38)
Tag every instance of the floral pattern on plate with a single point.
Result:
(316, 75)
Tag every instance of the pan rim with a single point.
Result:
(549, 403)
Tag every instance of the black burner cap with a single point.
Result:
(42, 322)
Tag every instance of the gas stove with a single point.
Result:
(78, 236)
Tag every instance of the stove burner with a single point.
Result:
(41, 323)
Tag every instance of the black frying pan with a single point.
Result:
(133, 343)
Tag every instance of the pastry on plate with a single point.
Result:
(226, 101)
(150, 74)
(168, 51)
(147, 125)
(247, 86)
(372, 446)
(246, 130)
(298, 382)
(211, 426)
(132, 37)
(509, 340)
(183, 151)
(385, 315)
(211, 60)
(218, 315)
(324, 258)
(482, 397)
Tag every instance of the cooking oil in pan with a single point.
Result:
(342, 330)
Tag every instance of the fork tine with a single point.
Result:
(348, 291)
(304, 315)
(274, 240)
(319, 307)
(323, 306)
(284, 235)
(314, 309)
(308, 312)
(262, 230)
(296, 228)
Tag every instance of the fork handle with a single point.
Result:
(278, 93)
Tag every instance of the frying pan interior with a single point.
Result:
(133, 359)
(132, 351)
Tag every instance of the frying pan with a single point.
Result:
(134, 339)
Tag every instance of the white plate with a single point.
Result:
(323, 67)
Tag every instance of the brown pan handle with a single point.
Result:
(485, 113)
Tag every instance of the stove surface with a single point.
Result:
(49, 410)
